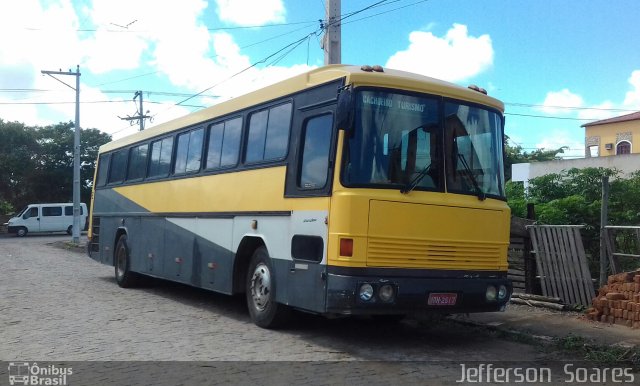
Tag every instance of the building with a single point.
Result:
(612, 136)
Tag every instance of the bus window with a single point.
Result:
(269, 134)
(160, 157)
(137, 162)
(315, 154)
(103, 166)
(118, 167)
(189, 152)
(224, 144)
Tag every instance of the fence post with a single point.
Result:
(604, 209)
(529, 261)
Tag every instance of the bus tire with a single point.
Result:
(265, 312)
(70, 230)
(122, 264)
(21, 232)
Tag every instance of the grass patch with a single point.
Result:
(605, 355)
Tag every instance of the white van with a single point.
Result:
(46, 218)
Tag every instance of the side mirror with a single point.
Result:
(345, 110)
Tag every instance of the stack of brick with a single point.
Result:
(619, 301)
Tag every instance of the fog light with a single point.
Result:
(491, 293)
(502, 292)
(387, 293)
(366, 292)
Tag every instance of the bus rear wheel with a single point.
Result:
(261, 288)
(124, 277)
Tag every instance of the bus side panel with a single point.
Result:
(199, 249)
(150, 245)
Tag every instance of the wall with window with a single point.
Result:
(612, 139)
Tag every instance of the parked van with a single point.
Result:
(46, 218)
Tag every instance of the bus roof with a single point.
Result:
(353, 75)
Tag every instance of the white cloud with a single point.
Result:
(632, 98)
(560, 138)
(561, 102)
(251, 12)
(454, 57)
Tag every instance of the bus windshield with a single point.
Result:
(397, 142)
(473, 150)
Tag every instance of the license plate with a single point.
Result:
(442, 299)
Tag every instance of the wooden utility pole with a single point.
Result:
(604, 210)
(76, 151)
(331, 40)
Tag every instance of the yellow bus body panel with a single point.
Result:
(258, 190)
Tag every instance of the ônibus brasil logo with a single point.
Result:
(25, 373)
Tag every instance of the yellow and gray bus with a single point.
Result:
(346, 190)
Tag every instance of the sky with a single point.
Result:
(555, 64)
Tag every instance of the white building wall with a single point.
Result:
(627, 164)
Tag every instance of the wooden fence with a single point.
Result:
(561, 263)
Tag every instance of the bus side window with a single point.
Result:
(269, 134)
(137, 162)
(224, 144)
(103, 167)
(315, 154)
(160, 157)
(118, 167)
(189, 153)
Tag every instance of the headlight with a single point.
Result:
(387, 293)
(502, 292)
(491, 293)
(366, 292)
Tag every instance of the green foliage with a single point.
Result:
(5, 207)
(36, 163)
(574, 197)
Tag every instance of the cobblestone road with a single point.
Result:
(58, 305)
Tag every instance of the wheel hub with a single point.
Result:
(261, 287)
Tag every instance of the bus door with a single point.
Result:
(309, 181)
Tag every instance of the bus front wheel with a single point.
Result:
(124, 277)
(21, 232)
(261, 292)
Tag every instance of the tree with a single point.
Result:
(36, 164)
(18, 149)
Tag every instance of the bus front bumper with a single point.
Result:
(416, 292)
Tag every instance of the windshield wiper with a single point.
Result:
(416, 180)
(469, 174)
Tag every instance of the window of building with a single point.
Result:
(268, 137)
(224, 144)
(137, 162)
(160, 162)
(623, 147)
(315, 154)
(189, 152)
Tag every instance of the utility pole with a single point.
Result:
(604, 214)
(140, 117)
(331, 40)
(76, 151)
